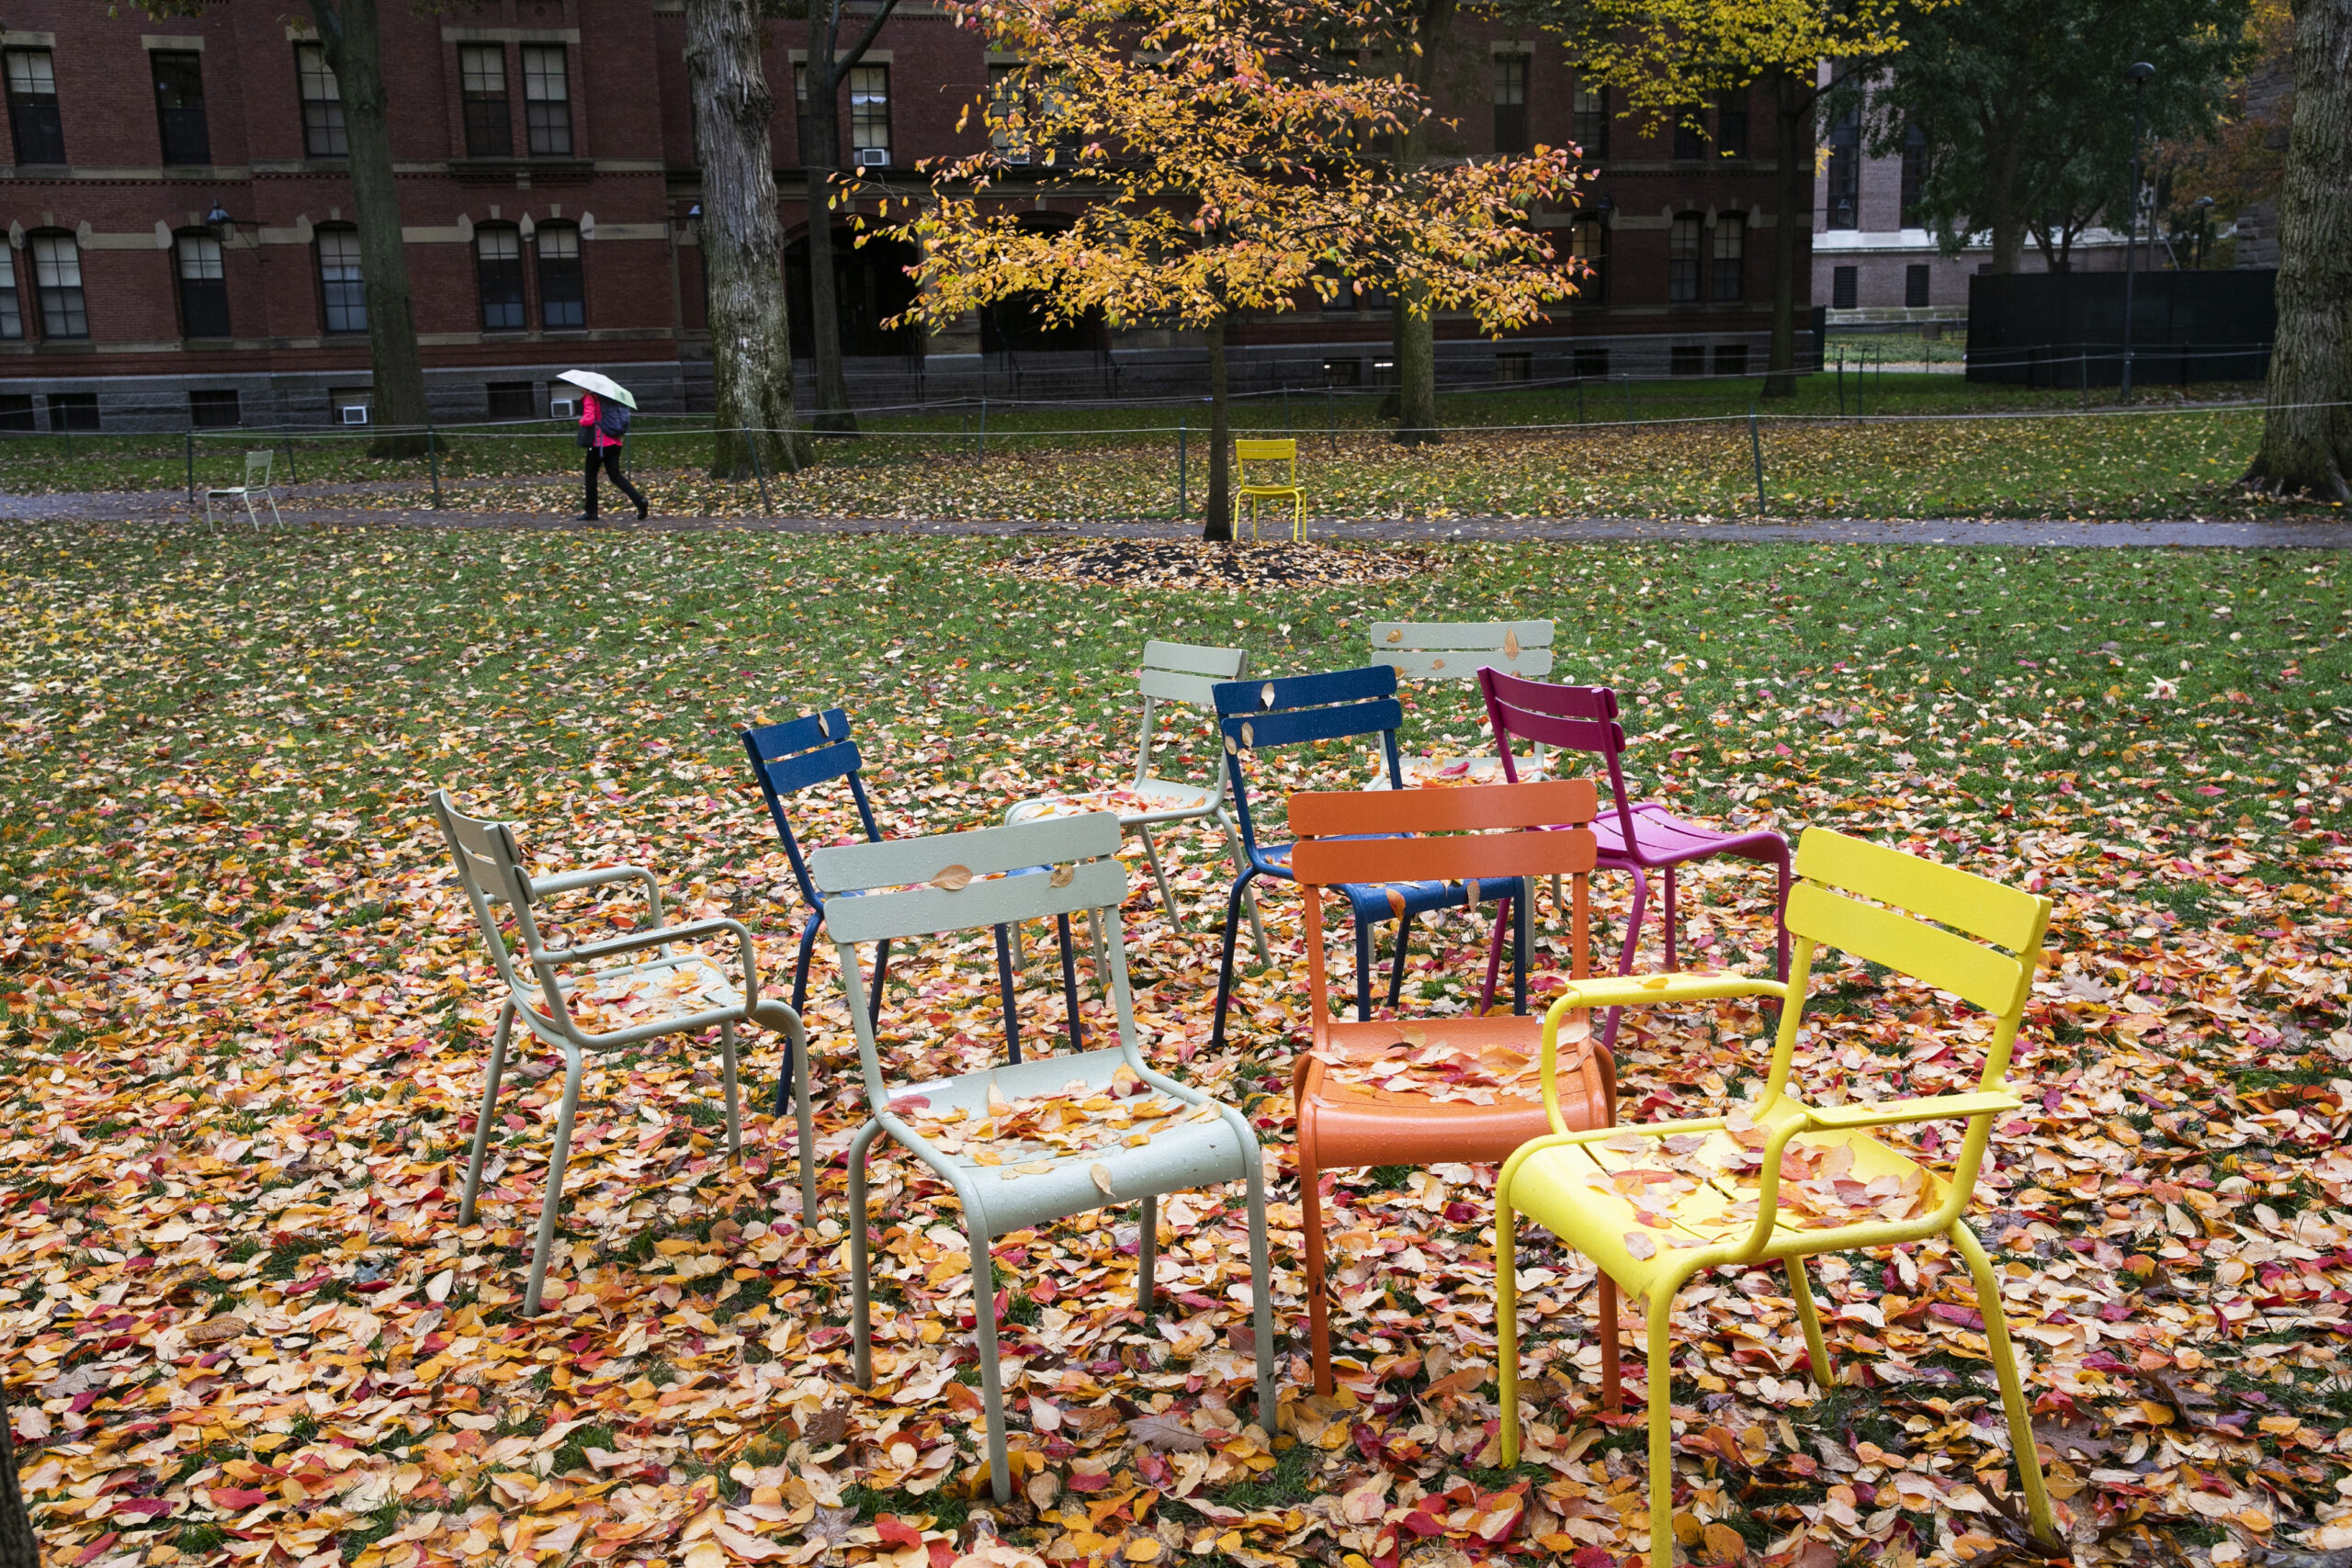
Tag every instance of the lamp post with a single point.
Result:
(2138, 75)
(2204, 229)
(224, 228)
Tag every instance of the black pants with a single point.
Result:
(611, 457)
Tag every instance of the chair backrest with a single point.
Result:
(790, 757)
(1282, 451)
(970, 880)
(490, 868)
(1294, 710)
(1456, 650)
(1567, 718)
(1188, 673)
(258, 466)
(1930, 921)
(1497, 833)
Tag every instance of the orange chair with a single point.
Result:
(1417, 1091)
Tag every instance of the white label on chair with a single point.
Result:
(953, 879)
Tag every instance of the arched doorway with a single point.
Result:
(870, 287)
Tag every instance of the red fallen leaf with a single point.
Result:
(910, 1102)
(143, 1507)
(941, 1554)
(97, 1548)
(1086, 1480)
(1423, 1524)
(896, 1532)
(229, 1499)
(1967, 1317)
(1044, 1291)
(2209, 789)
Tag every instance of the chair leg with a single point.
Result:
(1363, 971)
(1781, 917)
(489, 1104)
(557, 1158)
(1225, 966)
(1396, 967)
(1241, 864)
(1147, 1254)
(1070, 978)
(1523, 938)
(1495, 961)
(991, 1379)
(2005, 1371)
(796, 1045)
(1167, 898)
(1261, 1288)
(1612, 1353)
(1004, 985)
(1670, 920)
(1661, 1376)
(1318, 1310)
(1627, 951)
(861, 1327)
(1816, 1348)
(727, 1079)
(881, 973)
(1507, 1320)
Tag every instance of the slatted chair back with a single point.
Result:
(790, 757)
(1284, 452)
(258, 467)
(1297, 710)
(1456, 650)
(1567, 718)
(490, 868)
(1188, 673)
(969, 881)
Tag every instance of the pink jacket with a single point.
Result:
(588, 410)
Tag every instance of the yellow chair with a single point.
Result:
(1654, 1205)
(1284, 452)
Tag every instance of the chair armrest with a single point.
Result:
(1889, 1112)
(572, 881)
(1650, 990)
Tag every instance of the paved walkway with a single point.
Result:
(316, 504)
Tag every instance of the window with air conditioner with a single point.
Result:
(869, 114)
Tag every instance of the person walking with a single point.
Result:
(602, 424)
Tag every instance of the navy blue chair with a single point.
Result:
(816, 749)
(1256, 715)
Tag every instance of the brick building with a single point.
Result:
(544, 150)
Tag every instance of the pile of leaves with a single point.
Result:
(248, 1016)
(1176, 565)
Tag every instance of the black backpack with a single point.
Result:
(612, 416)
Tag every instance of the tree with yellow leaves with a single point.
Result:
(1227, 161)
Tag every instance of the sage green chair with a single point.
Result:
(1457, 650)
(676, 991)
(900, 889)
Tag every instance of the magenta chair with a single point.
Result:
(1635, 839)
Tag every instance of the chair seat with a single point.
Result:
(1067, 1137)
(1360, 1114)
(1634, 1202)
(1373, 900)
(1152, 800)
(1662, 839)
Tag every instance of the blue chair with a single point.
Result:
(1258, 715)
(816, 749)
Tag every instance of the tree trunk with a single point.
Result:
(2001, 198)
(1414, 331)
(1218, 522)
(19, 1547)
(743, 244)
(819, 132)
(2307, 430)
(353, 46)
(1792, 196)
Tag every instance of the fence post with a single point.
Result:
(1841, 383)
(983, 448)
(291, 477)
(1756, 445)
(1183, 471)
(1625, 385)
(1331, 415)
(759, 472)
(191, 463)
(432, 457)
(1286, 429)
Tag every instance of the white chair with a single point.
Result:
(1456, 650)
(258, 467)
(678, 991)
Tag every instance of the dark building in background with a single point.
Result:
(545, 156)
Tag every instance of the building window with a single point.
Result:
(1690, 134)
(204, 288)
(32, 107)
(179, 104)
(17, 412)
(1514, 366)
(1510, 103)
(1845, 170)
(1731, 359)
(1914, 285)
(562, 302)
(1683, 259)
(511, 399)
(1592, 121)
(1687, 359)
(1588, 242)
(342, 295)
(490, 129)
(12, 315)
(1009, 110)
(1731, 124)
(322, 134)
(73, 410)
(1915, 174)
(214, 411)
(1731, 256)
(546, 101)
(57, 282)
(1592, 364)
(1842, 288)
(869, 111)
(498, 263)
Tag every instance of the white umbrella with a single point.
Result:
(603, 385)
